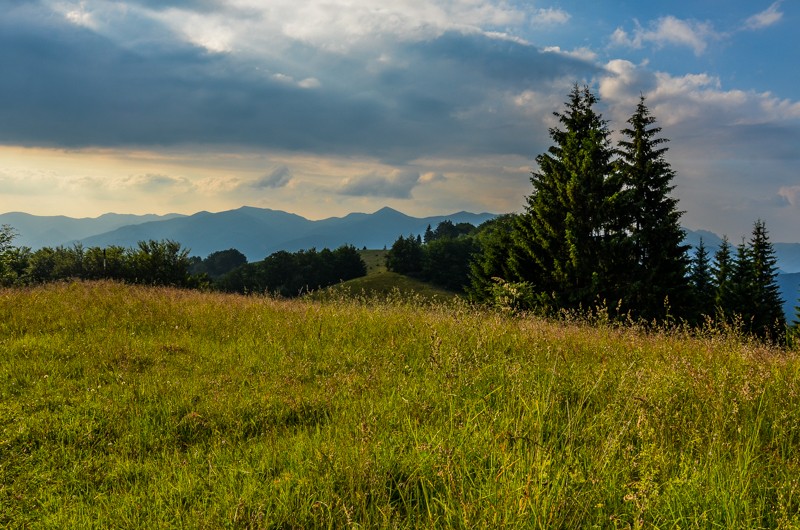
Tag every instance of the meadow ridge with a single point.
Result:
(141, 407)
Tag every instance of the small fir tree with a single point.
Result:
(702, 284)
(794, 332)
(767, 306)
(428, 237)
(740, 291)
(723, 264)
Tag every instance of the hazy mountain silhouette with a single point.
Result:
(258, 232)
(50, 231)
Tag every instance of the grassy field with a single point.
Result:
(133, 407)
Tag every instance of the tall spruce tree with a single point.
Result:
(701, 281)
(768, 319)
(559, 239)
(659, 260)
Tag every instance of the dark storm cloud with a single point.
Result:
(65, 85)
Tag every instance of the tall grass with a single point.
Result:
(139, 407)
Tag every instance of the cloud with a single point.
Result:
(583, 53)
(696, 99)
(431, 176)
(394, 101)
(550, 16)
(337, 26)
(624, 81)
(397, 185)
(766, 18)
(79, 15)
(790, 195)
(668, 30)
(277, 178)
(156, 183)
(26, 182)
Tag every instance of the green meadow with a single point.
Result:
(134, 407)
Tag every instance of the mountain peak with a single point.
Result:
(387, 210)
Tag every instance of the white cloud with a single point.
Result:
(766, 18)
(668, 31)
(625, 81)
(692, 98)
(550, 16)
(583, 53)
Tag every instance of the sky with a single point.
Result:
(326, 107)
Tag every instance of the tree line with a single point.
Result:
(441, 258)
(291, 274)
(167, 263)
(150, 262)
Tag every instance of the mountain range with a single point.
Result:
(258, 232)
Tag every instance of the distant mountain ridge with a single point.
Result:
(37, 231)
(256, 232)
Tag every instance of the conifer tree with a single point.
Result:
(723, 263)
(428, 237)
(766, 303)
(740, 290)
(702, 284)
(659, 260)
(794, 334)
(559, 239)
